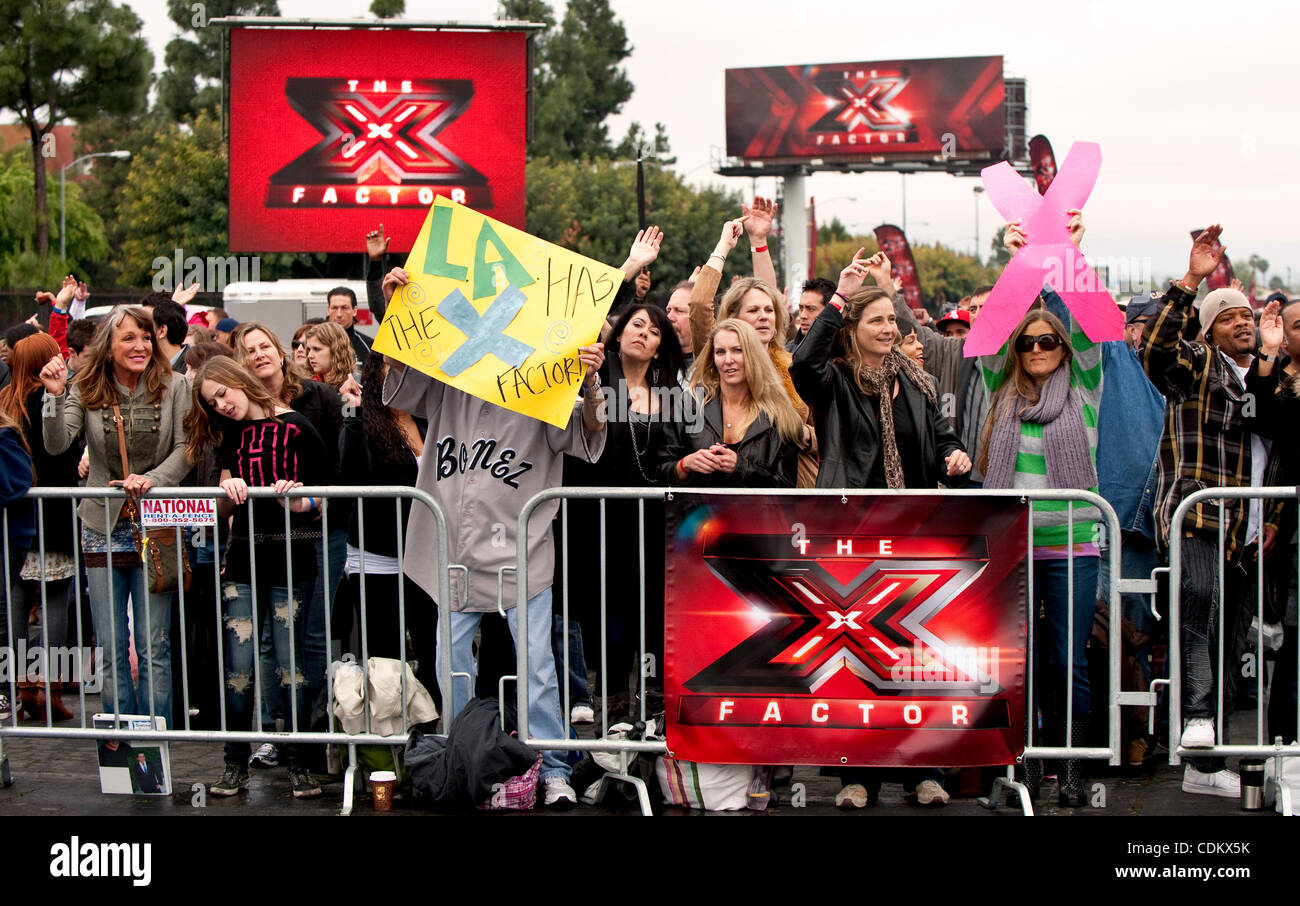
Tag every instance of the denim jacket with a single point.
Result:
(1129, 427)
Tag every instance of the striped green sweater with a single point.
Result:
(1051, 517)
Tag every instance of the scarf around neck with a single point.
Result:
(879, 382)
(1065, 440)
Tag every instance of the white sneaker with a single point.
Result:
(1217, 783)
(1198, 734)
(266, 756)
(582, 714)
(559, 796)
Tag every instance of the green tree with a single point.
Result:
(68, 60)
(947, 275)
(1257, 264)
(1000, 255)
(190, 83)
(590, 207)
(832, 232)
(387, 9)
(578, 81)
(19, 263)
(1276, 282)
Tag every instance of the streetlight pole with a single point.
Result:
(63, 194)
(978, 191)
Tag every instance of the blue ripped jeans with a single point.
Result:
(288, 626)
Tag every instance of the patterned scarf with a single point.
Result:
(879, 382)
(1065, 441)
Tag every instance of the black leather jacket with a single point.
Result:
(763, 459)
(848, 433)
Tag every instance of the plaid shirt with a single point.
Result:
(1206, 440)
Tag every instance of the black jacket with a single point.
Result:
(763, 459)
(461, 768)
(848, 433)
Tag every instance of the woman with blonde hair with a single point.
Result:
(330, 355)
(125, 396)
(755, 301)
(743, 431)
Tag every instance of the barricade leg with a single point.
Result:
(349, 780)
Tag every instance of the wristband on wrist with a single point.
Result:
(1265, 357)
(839, 305)
(719, 257)
(1184, 287)
(56, 310)
(759, 248)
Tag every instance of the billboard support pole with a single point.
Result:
(794, 232)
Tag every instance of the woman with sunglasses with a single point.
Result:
(1041, 432)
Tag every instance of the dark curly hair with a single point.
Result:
(377, 419)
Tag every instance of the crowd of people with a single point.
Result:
(843, 387)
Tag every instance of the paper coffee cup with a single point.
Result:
(381, 789)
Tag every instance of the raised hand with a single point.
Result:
(1237, 285)
(1014, 238)
(1076, 227)
(376, 243)
(852, 276)
(878, 267)
(1271, 334)
(393, 279)
(759, 222)
(66, 293)
(645, 248)
(183, 296)
(54, 376)
(82, 293)
(1206, 253)
(731, 231)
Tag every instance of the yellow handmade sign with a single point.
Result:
(497, 313)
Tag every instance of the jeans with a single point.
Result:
(1200, 633)
(152, 648)
(578, 692)
(544, 721)
(285, 626)
(1052, 647)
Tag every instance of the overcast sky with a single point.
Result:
(1193, 104)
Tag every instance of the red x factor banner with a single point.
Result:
(893, 108)
(335, 131)
(883, 631)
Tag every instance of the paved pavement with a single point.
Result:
(60, 777)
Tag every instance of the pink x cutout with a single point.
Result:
(1048, 256)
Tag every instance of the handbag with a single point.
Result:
(156, 547)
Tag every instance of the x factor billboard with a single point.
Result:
(895, 108)
(885, 631)
(333, 131)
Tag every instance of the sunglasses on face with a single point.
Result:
(1047, 342)
(297, 344)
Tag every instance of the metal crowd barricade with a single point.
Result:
(1278, 749)
(112, 500)
(626, 749)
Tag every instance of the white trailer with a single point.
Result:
(284, 305)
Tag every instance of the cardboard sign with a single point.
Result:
(163, 512)
(890, 631)
(497, 313)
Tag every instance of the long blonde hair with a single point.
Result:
(766, 392)
(343, 361)
(95, 380)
